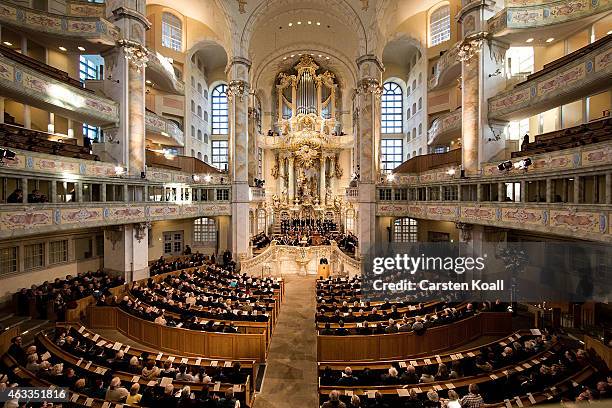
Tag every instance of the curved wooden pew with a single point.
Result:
(376, 347)
(81, 333)
(177, 340)
(242, 391)
(446, 358)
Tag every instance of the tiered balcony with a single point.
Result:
(565, 190)
(161, 73)
(257, 194)
(444, 129)
(81, 22)
(70, 183)
(29, 81)
(446, 69)
(163, 131)
(519, 20)
(426, 162)
(577, 75)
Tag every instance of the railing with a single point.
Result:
(165, 127)
(81, 8)
(185, 164)
(447, 61)
(91, 28)
(572, 77)
(517, 15)
(258, 194)
(163, 66)
(426, 162)
(352, 193)
(444, 124)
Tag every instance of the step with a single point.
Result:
(6, 315)
(33, 326)
(15, 320)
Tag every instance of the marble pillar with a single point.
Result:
(126, 251)
(238, 100)
(369, 92)
(252, 149)
(322, 184)
(482, 64)
(136, 100)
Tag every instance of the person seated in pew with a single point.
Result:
(116, 392)
(347, 379)
(341, 330)
(15, 197)
(334, 401)
(473, 398)
(135, 396)
(16, 350)
(228, 400)
(168, 370)
(409, 376)
(365, 329)
(432, 401)
(391, 327)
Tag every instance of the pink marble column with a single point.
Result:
(470, 93)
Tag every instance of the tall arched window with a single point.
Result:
(204, 230)
(439, 25)
(349, 226)
(199, 155)
(261, 221)
(219, 110)
(392, 108)
(420, 103)
(405, 230)
(172, 32)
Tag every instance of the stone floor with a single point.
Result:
(291, 373)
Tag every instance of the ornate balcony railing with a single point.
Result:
(21, 220)
(532, 14)
(93, 28)
(80, 8)
(443, 125)
(257, 194)
(572, 77)
(446, 68)
(352, 194)
(32, 86)
(161, 71)
(165, 127)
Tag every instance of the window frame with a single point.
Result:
(392, 114)
(390, 159)
(172, 34)
(439, 25)
(219, 110)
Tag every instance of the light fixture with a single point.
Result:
(299, 22)
(529, 40)
(309, 22)
(390, 177)
(62, 48)
(609, 32)
(326, 57)
(451, 172)
(523, 164)
(290, 24)
(284, 58)
(299, 55)
(148, 81)
(318, 23)
(208, 178)
(320, 55)
(119, 170)
(81, 48)
(551, 39)
(6, 154)
(505, 165)
(9, 44)
(292, 55)
(195, 178)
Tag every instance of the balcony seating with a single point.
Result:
(41, 67)
(425, 162)
(582, 135)
(185, 164)
(41, 142)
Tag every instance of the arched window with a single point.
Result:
(205, 93)
(199, 134)
(261, 221)
(199, 87)
(414, 84)
(199, 111)
(405, 230)
(206, 158)
(199, 155)
(219, 110)
(192, 131)
(205, 137)
(420, 151)
(193, 106)
(420, 103)
(420, 129)
(392, 108)
(206, 116)
(193, 153)
(414, 133)
(420, 77)
(204, 230)
(439, 25)
(414, 109)
(192, 82)
(172, 32)
(408, 156)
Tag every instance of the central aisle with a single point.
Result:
(291, 373)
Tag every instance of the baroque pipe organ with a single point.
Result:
(307, 151)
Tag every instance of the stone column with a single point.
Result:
(290, 187)
(51, 125)
(549, 189)
(322, 184)
(124, 247)
(608, 188)
(124, 82)
(482, 59)
(238, 101)
(369, 91)
(27, 117)
(332, 177)
(24, 187)
(252, 144)
(70, 131)
(577, 189)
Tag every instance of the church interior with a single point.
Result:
(192, 190)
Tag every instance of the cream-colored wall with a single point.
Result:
(12, 284)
